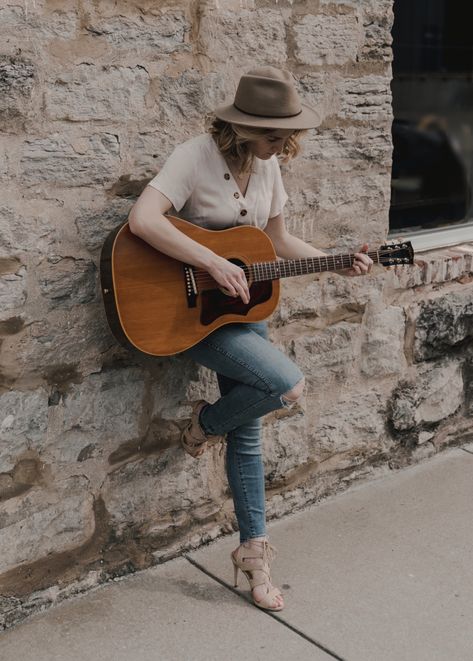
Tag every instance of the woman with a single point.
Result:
(228, 176)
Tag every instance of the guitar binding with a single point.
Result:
(191, 286)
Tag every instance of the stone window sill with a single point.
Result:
(437, 266)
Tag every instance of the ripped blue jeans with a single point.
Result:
(252, 376)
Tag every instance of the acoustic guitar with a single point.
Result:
(161, 306)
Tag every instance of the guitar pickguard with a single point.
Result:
(216, 304)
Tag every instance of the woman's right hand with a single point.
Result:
(231, 277)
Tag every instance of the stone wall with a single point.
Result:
(93, 98)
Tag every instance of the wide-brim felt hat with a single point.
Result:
(266, 97)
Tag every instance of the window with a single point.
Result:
(432, 87)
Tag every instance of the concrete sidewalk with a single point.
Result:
(382, 572)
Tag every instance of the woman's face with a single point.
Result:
(270, 144)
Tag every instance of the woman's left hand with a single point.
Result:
(362, 263)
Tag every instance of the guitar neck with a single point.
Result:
(286, 268)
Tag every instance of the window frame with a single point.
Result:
(450, 234)
(429, 239)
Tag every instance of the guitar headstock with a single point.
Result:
(396, 252)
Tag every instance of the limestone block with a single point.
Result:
(301, 298)
(324, 39)
(324, 300)
(16, 77)
(149, 152)
(93, 159)
(12, 291)
(338, 289)
(105, 406)
(159, 487)
(62, 24)
(354, 425)
(442, 323)
(285, 445)
(349, 147)
(307, 220)
(359, 202)
(95, 224)
(58, 343)
(23, 423)
(16, 86)
(425, 436)
(326, 356)
(401, 277)
(441, 391)
(436, 393)
(181, 97)
(31, 19)
(235, 5)
(319, 88)
(244, 38)
(382, 340)
(184, 100)
(45, 521)
(91, 92)
(374, 8)
(176, 382)
(157, 35)
(377, 43)
(67, 282)
(22, 232)
(367, 98)
(12, 16)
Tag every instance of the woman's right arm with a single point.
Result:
(147, 221)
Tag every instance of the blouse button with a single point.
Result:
(243, 212)
(226, 176)
(237, 195)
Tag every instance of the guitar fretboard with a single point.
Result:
(286, 268)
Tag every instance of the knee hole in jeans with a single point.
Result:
(290, 397)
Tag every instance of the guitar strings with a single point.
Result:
(203, 277)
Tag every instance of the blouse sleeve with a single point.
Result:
(279, 196)
(177, 178)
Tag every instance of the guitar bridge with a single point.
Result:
(191, 286)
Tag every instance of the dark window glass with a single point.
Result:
(433, 114)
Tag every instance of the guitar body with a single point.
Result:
(146, 293)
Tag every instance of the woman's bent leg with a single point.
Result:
(264, 374)
(253, 375)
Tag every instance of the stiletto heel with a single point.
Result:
(252, 558)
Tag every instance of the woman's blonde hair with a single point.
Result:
(232, 140)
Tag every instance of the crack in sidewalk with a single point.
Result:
(273, 615)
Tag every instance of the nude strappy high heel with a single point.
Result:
(193, 439)
(256, 557)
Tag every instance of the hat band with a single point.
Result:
(255, 114)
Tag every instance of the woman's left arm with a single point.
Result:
(288, 246)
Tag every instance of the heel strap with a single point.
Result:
(247, 561)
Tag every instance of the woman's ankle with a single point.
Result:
(256, 540)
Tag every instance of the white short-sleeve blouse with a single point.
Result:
(196, 180)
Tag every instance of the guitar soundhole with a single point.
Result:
(215, 303)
